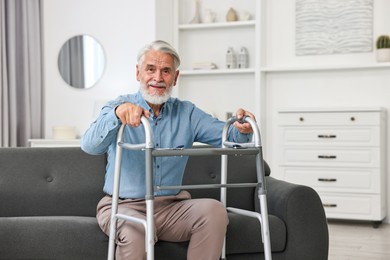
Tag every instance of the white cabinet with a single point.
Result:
(341, 154)
(54, 142)
(223, 89)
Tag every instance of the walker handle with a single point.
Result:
(148, 136)
(245, 119)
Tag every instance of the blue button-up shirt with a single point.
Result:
(180, 123)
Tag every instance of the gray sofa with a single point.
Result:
(48, 199)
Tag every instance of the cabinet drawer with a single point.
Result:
(329, 118)
(363, 136)
(357, 207)
(336, 179)
(358, 157)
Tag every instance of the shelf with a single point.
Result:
(286, 69)
(209, 42)
(217, 25)
(216, 72)
(327, 68)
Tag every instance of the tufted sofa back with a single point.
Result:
(241, 169)
(69, 182)
(50, 182)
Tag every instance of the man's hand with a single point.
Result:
(130, 114)
(244, 128)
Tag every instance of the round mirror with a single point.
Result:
(81, 61)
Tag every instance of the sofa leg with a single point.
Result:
(376, 224)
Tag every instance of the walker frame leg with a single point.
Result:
(263, 216)
(149, 195)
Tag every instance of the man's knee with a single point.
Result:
(130, 242)
(214, 212)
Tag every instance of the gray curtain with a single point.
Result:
(21, 89)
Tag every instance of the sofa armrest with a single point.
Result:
(301, 209)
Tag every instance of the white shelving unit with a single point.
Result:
(219, 91)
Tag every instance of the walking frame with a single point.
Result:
(228, 148)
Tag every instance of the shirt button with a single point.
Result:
(158, 166)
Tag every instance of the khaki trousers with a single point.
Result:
(178, 218)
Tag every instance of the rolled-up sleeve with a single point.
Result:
(101, 132)
(209, 130)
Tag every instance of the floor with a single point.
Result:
(358, 241)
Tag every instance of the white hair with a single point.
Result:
(159, 46)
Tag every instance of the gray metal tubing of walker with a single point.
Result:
(228, 148)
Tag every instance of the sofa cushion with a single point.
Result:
(50, 182)
(240, 239)
(52, 238)
(244, 235)
(163, 250)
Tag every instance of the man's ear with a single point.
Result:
(176, 77)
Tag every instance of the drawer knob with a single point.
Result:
(327, 136)
(301, 119)
(353, 118)
(329, 205)
(327, 156)
(327, 179)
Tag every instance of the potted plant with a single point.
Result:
(383, 48)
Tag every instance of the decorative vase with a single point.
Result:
(383, 55)
(230, 58)
(242, 58)
(196, 18)
(231, 15)
(244, 16)
(209, 16)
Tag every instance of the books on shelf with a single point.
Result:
(204, 66)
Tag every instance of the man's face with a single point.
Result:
(157, 77)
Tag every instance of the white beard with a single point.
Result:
(155, 99)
